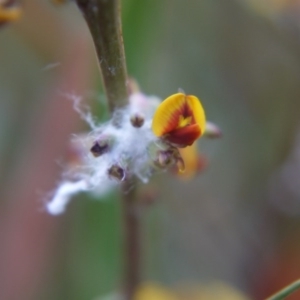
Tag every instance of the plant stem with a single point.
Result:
(131, 233)
(104, 21)
(286, 291)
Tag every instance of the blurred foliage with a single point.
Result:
(224, 224)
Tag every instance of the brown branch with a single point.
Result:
(132, 240)
(104, 20)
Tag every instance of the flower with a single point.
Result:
(208, 291)
(146, 140)
(179, 119)
(9, 11)
(211, 290)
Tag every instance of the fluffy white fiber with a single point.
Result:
(63, 194)
(128, 151)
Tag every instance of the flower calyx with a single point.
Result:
(168, 158)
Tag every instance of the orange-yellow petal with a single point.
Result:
(190, 157)
(176, 116)
(153, 291)
(9, 13)
(198, 111)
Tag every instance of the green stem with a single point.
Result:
(286, 291)
(104, 20)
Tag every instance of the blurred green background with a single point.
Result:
(238, 221)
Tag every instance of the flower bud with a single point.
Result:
(133, 86)
(100, 147)
(164, 158)
(116, 172)
(168, 158)
(137, 120)
(212, 131)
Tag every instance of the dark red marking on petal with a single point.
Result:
(186, 110)
(184, 136)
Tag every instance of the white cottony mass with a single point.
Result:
(110, 153)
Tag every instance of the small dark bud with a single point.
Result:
(116, 172)
(133, 86)
(167, 158)
(137, 120)
(179, 160)
(180, 90)
(212, 131)
(164, 158)
(99, 148)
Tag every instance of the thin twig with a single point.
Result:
(132, 240)
(104, 20)
(286, 291)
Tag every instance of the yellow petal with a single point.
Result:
(184, 121)
(190, 156)
(10, 13)
(152, 291)
(198, 111)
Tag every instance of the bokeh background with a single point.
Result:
(237, 222)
